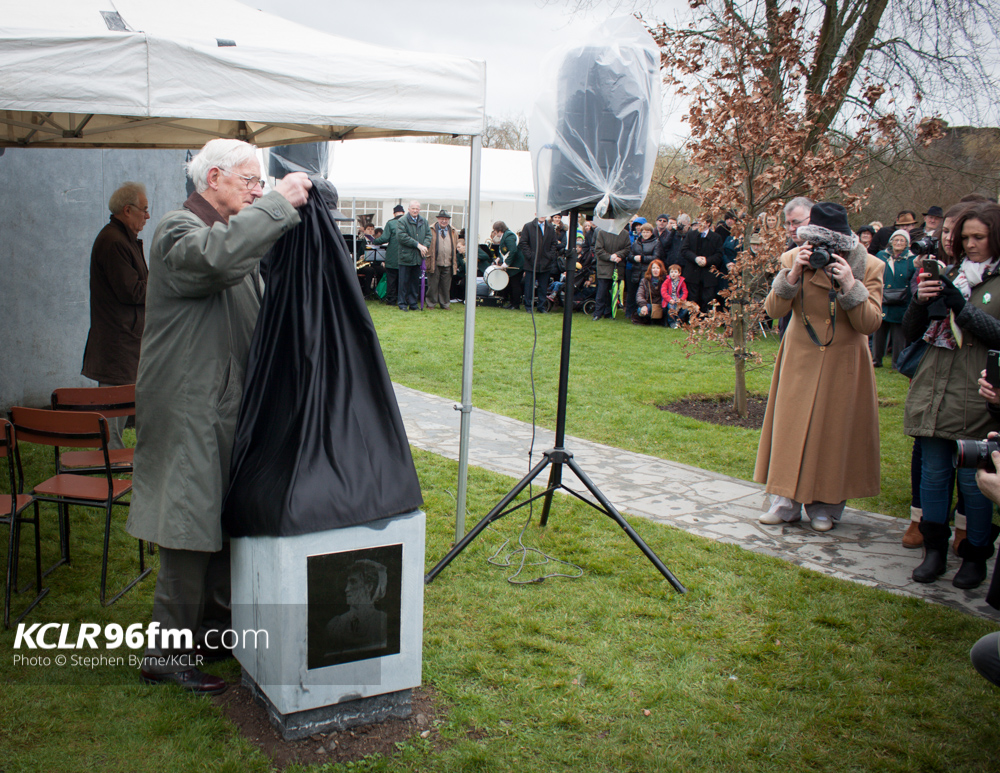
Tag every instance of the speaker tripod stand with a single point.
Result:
(558, 456)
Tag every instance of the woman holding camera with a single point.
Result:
(895, 297)
(819, 445)
(943, 404)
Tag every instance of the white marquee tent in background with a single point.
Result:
(386, 172)
(150, 74)
(144, 74)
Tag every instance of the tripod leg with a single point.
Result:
(617, 518)
(495, 514)
(555, 480)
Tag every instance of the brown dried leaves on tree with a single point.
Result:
(760, 137)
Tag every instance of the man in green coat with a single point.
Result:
(391, 255)
(414, 245)
(202, 299)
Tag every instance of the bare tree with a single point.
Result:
(508, 132)
(943, 53)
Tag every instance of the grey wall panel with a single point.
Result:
(53, 203)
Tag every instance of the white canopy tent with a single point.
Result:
(377, 169)
(174, 75)
(385, 173)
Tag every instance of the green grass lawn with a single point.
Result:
(762, 666)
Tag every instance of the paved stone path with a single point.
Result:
(864, 547)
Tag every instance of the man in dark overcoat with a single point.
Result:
(118, 275)
(701, 253)
(539, 246)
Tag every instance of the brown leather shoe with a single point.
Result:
(912, 538)
(191, 680)
(959, 537)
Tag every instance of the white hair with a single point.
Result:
(221, 153)
(127, 193)
(798, 201)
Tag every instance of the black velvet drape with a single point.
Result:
(320, 442)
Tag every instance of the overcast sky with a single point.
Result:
(512, 36)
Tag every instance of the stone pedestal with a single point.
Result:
(330, 624)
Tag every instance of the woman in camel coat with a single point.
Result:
(819, 445)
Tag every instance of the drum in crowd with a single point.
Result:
(496, 278)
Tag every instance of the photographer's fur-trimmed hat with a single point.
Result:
(828, 226)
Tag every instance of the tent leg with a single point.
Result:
(471, 261)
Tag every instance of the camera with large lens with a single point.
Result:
(820, 257)
(925, 245)
(976, 453)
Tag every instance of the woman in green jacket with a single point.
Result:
(944, 404)
(895, 297)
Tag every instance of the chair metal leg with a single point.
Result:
(11, 574)
(63, 537)
(143, 571)
(13, 557)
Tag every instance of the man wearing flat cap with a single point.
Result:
(933, 220)
(442, 263)
(907, 221)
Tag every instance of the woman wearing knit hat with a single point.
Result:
(895, 297)
(819, 445)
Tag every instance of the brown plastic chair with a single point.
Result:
(14, 517)
(69, 429)
(110, 402)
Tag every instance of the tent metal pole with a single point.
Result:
(471, 262)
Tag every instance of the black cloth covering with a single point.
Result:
(320, 442)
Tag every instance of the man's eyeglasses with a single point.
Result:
(796, 223)
(144, 209)
(252, 182)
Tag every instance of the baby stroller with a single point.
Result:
(584, 298)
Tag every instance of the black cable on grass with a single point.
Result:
(524, 550)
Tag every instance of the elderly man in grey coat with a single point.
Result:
(202, 300)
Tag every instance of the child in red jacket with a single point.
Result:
(673, 291)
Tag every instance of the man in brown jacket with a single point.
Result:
(118, 276)
(442, 262)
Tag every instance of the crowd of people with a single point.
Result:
(662, 272)
(931, 291)
(928, 291)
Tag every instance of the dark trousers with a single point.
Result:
(192, 593)
(513, 291)
(458, 287)
(391, 285)
(916, 461)
(531, 279)
(632, 281)
(409, 287)
(889, 332)
(701, 294)
(602, 307)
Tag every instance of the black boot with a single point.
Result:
(935, 551)
(972, 573)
